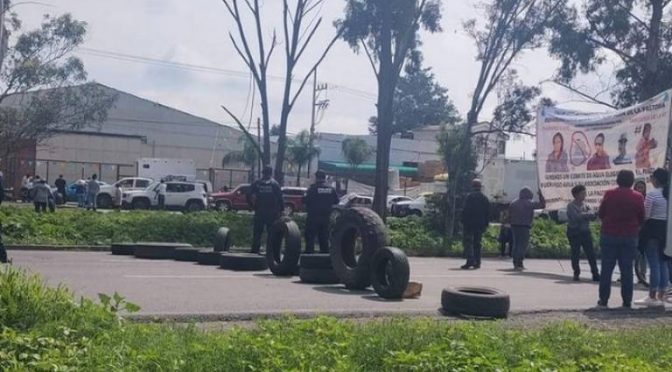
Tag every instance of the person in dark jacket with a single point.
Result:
(265, 198)
(2, 189)
(579, 216)
(3, 251)
(60, 186)
(475, 220)
(521, 216)
(320, 199)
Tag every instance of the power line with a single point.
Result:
(208, 69)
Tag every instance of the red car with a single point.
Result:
(236, 200)
(293, 197)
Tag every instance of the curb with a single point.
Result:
(354, 315)
(59, 248)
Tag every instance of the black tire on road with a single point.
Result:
(123, 249)
(141, 203)
(186, 254)
(476, 301)
(104, 201)
(158, 251)
(353, 271)
(390, 272)
(284, 262)
(316, 261)
(222, 240)
(208, 257)
(318, 276)
(243, 262)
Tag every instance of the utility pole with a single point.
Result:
(318, 106)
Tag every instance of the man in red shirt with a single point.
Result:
(622, 214)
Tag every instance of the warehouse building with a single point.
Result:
(135, 128)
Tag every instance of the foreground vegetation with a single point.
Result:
(76, 227)
(45, 329)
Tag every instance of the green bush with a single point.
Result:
(53, 332)
(77, 227)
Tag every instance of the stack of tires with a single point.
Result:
(359, 266)
(284, 247)
(157, 251)
(317, 269)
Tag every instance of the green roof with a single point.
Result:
(336, 166)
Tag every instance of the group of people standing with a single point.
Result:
(476, 219)
(631, 219)
(265, 197)
(37, 190)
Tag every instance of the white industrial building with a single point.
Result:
(135, 128)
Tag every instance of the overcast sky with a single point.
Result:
(195, 32)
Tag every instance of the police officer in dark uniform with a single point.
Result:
(320, 198)
(266, 198)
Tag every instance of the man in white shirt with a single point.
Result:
(161, 193)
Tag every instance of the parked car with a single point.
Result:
(235, 200)
(187, 196)
(355, 200)
(393, 199)
(71, 190)
(293, 197)
(415, 207)
(106, 195)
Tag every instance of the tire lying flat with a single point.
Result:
(208, 257)
(284, 262)
(353, 271)
(243, 262)
(123, 249)
(223, 240)
(475, 301)
(316, 268)
(315, 261)
(390, 272)
(157, 251)
(186, 254)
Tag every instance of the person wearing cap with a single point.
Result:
(265, 197)
(320, 199)
(623, 157)
(475, 220)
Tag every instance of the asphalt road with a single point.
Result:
(170, 288)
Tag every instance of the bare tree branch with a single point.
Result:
(370, 57)
(583, 94)
(247, 133)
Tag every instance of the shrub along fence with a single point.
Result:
(21, 226)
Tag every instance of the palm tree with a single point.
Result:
(355, 151)
(300, 152)
(247, 156)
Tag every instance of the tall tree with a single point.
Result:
(301, 20)
(248, 156)
(509, 28)
(419, 101)
(355, 151)
(42, 87)
(388, 32)
(301, 151)
(634, 35)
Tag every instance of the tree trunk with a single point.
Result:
(453, 179)
(650, 87)
(385, 106)
(298, 176)
(266, 128)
